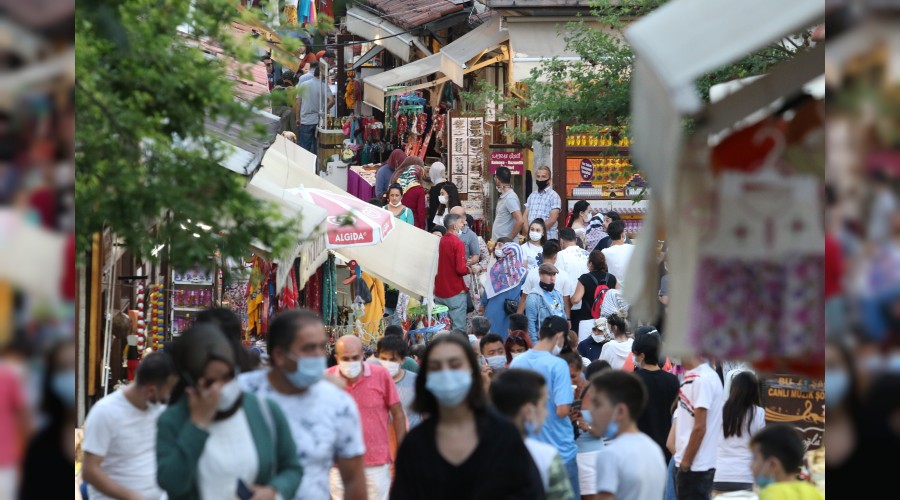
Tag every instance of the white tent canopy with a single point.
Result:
(407, 260)
(390, 36)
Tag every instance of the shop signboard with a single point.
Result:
(513, 160)
(796, 401)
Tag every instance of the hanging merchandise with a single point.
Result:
(157, 316)
(257, 290)
(758, 284)
(351, 94)
(290, 295)
(328, 302)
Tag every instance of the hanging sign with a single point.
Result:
(513, 160)
(798, 402)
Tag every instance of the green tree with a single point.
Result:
(596, 89)
(147, 167)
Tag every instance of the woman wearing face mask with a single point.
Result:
(617, 350)
(502, 284)
(518, 341)
(454, 453)
(532, 248)
(50, 453)
(448, 198)
(581, 215)
(589, 444)
(844, 408)
(216, 440)
(409, 176)
(437, 173)
(396, 207)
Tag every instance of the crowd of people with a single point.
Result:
(474, 413)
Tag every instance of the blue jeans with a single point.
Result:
(572, 469)
(670, 481)
(457, 309)
(306, 137)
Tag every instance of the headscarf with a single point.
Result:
(409, 174)
(396, 158)
(507, 272)
(198, 346)
(437, 172)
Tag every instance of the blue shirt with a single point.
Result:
(557, 430)
(589, 349)
(495, 312)
(539, 306)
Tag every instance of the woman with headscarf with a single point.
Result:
(438, 175)
(384, 174)
(503, 284)
(216, 441)
(409, 175)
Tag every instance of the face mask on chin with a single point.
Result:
(395, 205)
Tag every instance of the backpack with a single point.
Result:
(599, 294)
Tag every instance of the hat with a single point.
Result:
(547, 268)
(601, 324)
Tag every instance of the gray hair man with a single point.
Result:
(544, 203)
(449, 287)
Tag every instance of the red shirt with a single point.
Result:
(834, 266)
(374, 392)
(451, 267)
(415, 200)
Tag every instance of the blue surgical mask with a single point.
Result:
(531, 428)
(497, 362)
(308, 372)
(612, 430)
(763, 481)
(449, 387)
(588, 418)
(837, 383)
(63, 385)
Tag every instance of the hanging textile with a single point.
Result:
(329, 291)
(256, 290)
(313, 292)
(290, 295)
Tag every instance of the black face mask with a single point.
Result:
(547, 286)
(542, 185)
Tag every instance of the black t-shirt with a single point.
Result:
(500, 467)
(587, 301)
(45, 459)
(656, 420)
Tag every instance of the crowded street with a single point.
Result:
(478, 249)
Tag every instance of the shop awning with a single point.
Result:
(454, 61)
(532, 42)
(407, 260)
(243, 151)
(392, 37)
(310, 248)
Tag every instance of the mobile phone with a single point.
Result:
(189, 379)
(243, 492)
(576, 405)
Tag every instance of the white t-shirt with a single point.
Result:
(564, 283)
(325, 424)
(542, 454)
(615, 353)
(734, 456)
(125, 436)
(617, 258)
(701, 388)
(229, 455)
(531, 252)
(632, 467)
(573, 260)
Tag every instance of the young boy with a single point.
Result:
(521, 395)
(777, 458)
(391, 352)
(631, 466)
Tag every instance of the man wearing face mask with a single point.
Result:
(565, 283)
(545, 302)
(449, 287)
(521, 396)
(324, 420)
(557, 429)
(508, 220)
(544, 203)
(378, 401)
(391, 354)
(777, 458)
(491, 347)
(120, 433)
(631, 466)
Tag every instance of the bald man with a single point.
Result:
(469, 238)
(376, 396)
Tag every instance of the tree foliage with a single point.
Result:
(147, 168)
(596, 88)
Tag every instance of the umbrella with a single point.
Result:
(351, 222)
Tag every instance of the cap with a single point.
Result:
(601, 324)
(645, 330)
(547, 268)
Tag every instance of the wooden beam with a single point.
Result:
(94, 307)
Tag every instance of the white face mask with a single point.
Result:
(586, 216)
(598, 338)
(229, 395)
(442, 199)
(557, 349)
(350, 369)
(393, 367)
(517, 354)
(396, 204)
(498, 252)
(535, 235)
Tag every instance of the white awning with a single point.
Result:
(456, 55)
(535, 41)
(454, 60)
(392, 37)
(375, 87)
(407, 260)
(310, 247)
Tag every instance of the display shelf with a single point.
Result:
(596, 150)
(192, 283)
(188, 309)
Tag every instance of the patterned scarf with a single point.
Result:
(410, 178)
(507, 272)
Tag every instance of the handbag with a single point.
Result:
(510, 306)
